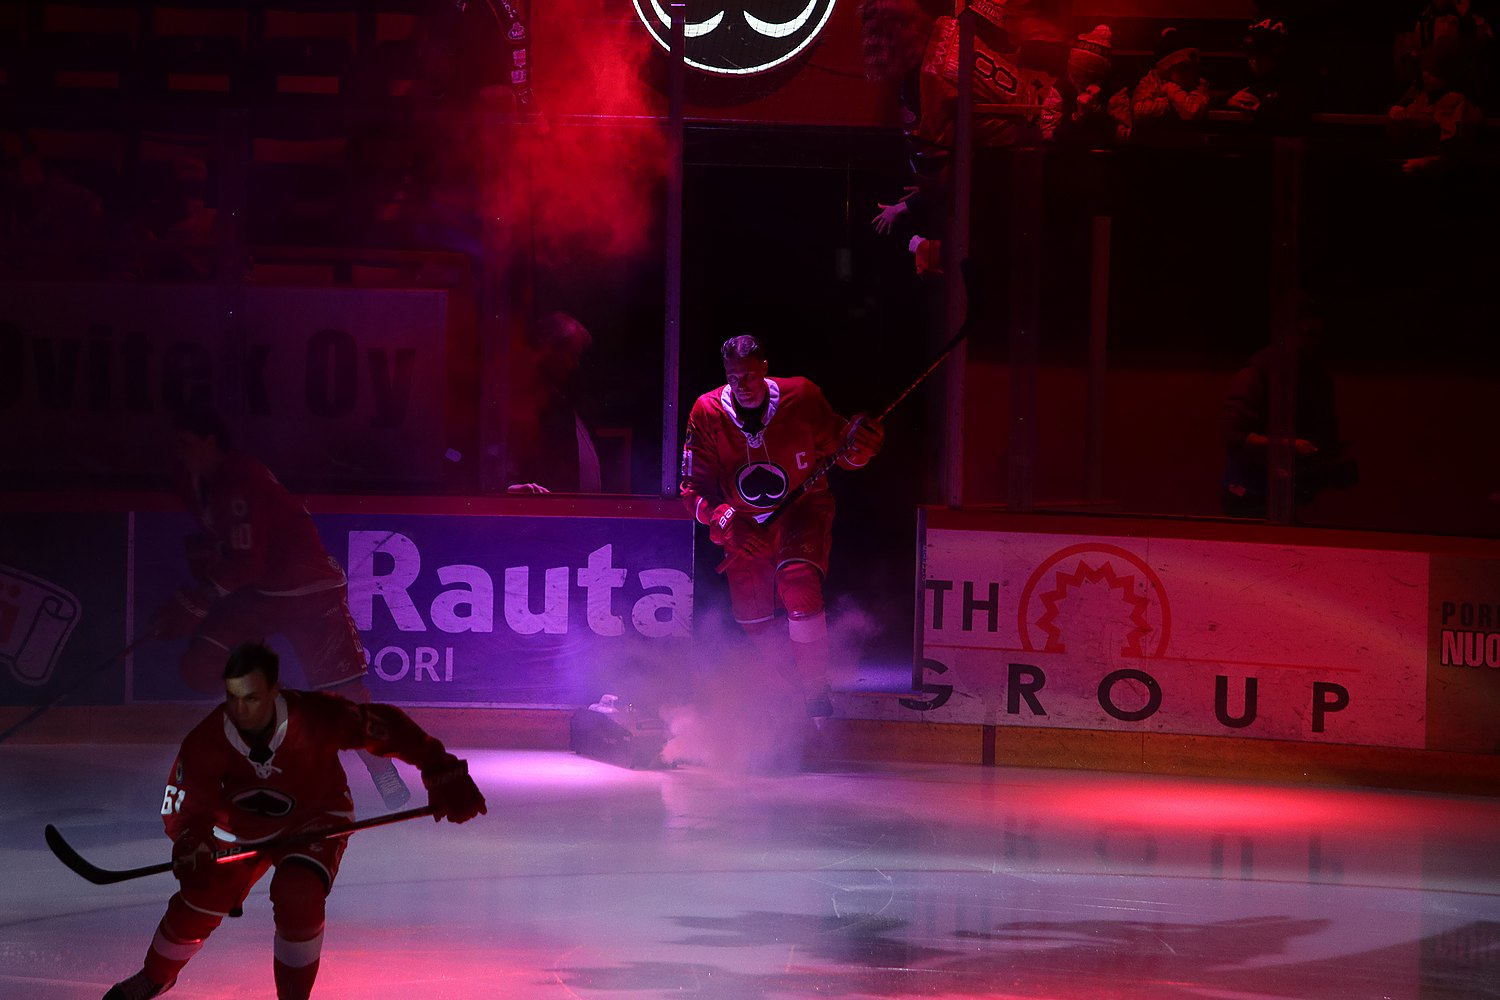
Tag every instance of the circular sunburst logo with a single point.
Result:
(1098, 587)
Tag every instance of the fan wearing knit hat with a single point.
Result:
(1176, 61)
(1089, 58)
(1081, 98)
(1173, 90)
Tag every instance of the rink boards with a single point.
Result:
(530, 602)
(1089, 641)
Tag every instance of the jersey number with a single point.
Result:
(172, 801)
(240, 538)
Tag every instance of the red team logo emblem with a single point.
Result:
(1094, 594)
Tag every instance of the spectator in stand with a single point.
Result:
(891, 30)
(1317, 451)
(1173, 92)
(1450, 22)
(551, 448)
(181, 227)
(1436, 119)
(1452, 18)
(51, 227)
(1272, 97)
(1079, 103)
(894, 35)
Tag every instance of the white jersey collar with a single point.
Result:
(266, 768)
(773, 398)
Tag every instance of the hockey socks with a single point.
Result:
(295, 966)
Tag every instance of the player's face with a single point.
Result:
(250, 701)
(197, 452)
(747, 380)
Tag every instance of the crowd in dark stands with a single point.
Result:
(115, 162)
(104, 203)
(1428, 75)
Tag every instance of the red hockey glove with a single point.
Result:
(450, 791)
(863, 439)
(202, 552)
(181, 616)
(192, 859)
(738, 532)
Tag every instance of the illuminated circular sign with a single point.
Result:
(750, 36)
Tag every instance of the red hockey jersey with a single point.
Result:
(215, 788)
(262, 535)
(723, 463)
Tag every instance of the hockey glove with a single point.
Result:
(192, 860)
(738, 532)
(181, 616)
(862, 440)
(450, 791)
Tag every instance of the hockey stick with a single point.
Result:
(827, 462)
(108, 876)
(47, 706)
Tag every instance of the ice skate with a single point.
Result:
(820, 705)
(138, 987)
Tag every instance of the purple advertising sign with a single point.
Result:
(473, 610)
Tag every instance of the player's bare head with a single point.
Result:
(202, 420)
(251, 657)
(743, 346)
(745, 370)
(202, 437)
(250, 686)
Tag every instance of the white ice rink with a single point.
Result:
(588, 880)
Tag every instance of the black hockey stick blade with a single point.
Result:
(108, 876)
(99, 876)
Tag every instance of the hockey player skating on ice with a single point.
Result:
(262, 766)
(260, 569)
(750, 445)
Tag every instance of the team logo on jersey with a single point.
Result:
(739, 37)
(762, 484)
(267, 802)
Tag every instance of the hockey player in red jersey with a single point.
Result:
(750, 444)
(262, 766)
(259, 569)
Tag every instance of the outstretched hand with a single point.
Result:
(884, 221)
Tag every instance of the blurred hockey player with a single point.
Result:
(259, 569)
(750, 444)
(260, 767)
